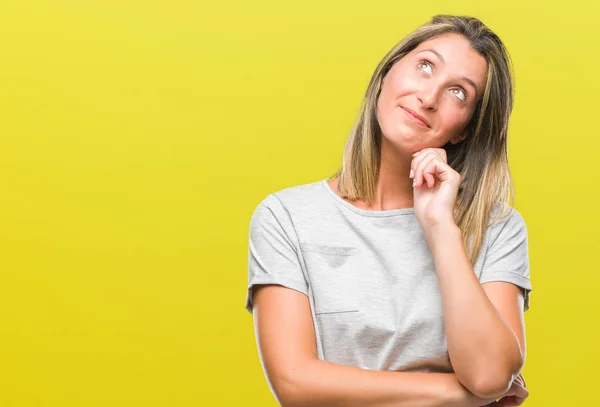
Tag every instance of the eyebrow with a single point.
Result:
(441, 58)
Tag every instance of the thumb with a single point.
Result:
(517, 390)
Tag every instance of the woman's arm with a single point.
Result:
(484, 325)
(287, 348)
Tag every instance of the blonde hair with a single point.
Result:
(481, 159)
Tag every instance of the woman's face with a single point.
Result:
(441, 80)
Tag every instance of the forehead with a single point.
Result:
(459, 57)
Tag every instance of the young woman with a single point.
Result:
(402, 280)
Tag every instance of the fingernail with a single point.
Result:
(412, 174)
(414, 181)
(416, 153)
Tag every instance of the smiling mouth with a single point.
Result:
(414, 118)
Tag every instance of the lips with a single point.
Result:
(416, 116)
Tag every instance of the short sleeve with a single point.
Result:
(507, 257)
(273, 249)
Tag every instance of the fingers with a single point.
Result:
(429, 179)
(422, 170)
(515, 396)
(419, 164)
(508, 401)
(519, 392)
(521, 380)
(428, 165)
(522, 392)
(519, 401)
(439, 151)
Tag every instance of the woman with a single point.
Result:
(402, 280)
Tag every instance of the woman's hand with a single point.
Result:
(461, 397)
(515, 396)
(435, 187)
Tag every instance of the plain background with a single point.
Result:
(137, 137)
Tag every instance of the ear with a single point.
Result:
(457, 139)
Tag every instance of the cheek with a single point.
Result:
(455, 117)
(407, 83)
(402, 80)
(386, 102)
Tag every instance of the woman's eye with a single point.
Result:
(427, 67)
(424, 66)
(459, 93)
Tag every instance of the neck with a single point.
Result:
(394, 187)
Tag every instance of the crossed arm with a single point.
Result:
(484, 324)
(484, 329)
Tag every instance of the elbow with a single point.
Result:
(288, 395)
(287, 389)
(490, 386)
(493, 382)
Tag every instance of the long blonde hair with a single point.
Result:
(481, 159)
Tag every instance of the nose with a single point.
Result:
(428, 96)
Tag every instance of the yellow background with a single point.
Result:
(138, 136)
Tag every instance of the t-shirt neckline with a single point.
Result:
(365, 212)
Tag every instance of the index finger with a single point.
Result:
(437, 151)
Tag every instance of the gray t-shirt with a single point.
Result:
(369, 275)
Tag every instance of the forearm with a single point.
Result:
(323, 384)
(482, 347)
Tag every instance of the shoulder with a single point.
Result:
(503, 213)
(505, 220)
(293, 198)
(290, 202)
(302, 194)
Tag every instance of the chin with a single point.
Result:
(405, 144)
(406, 135)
